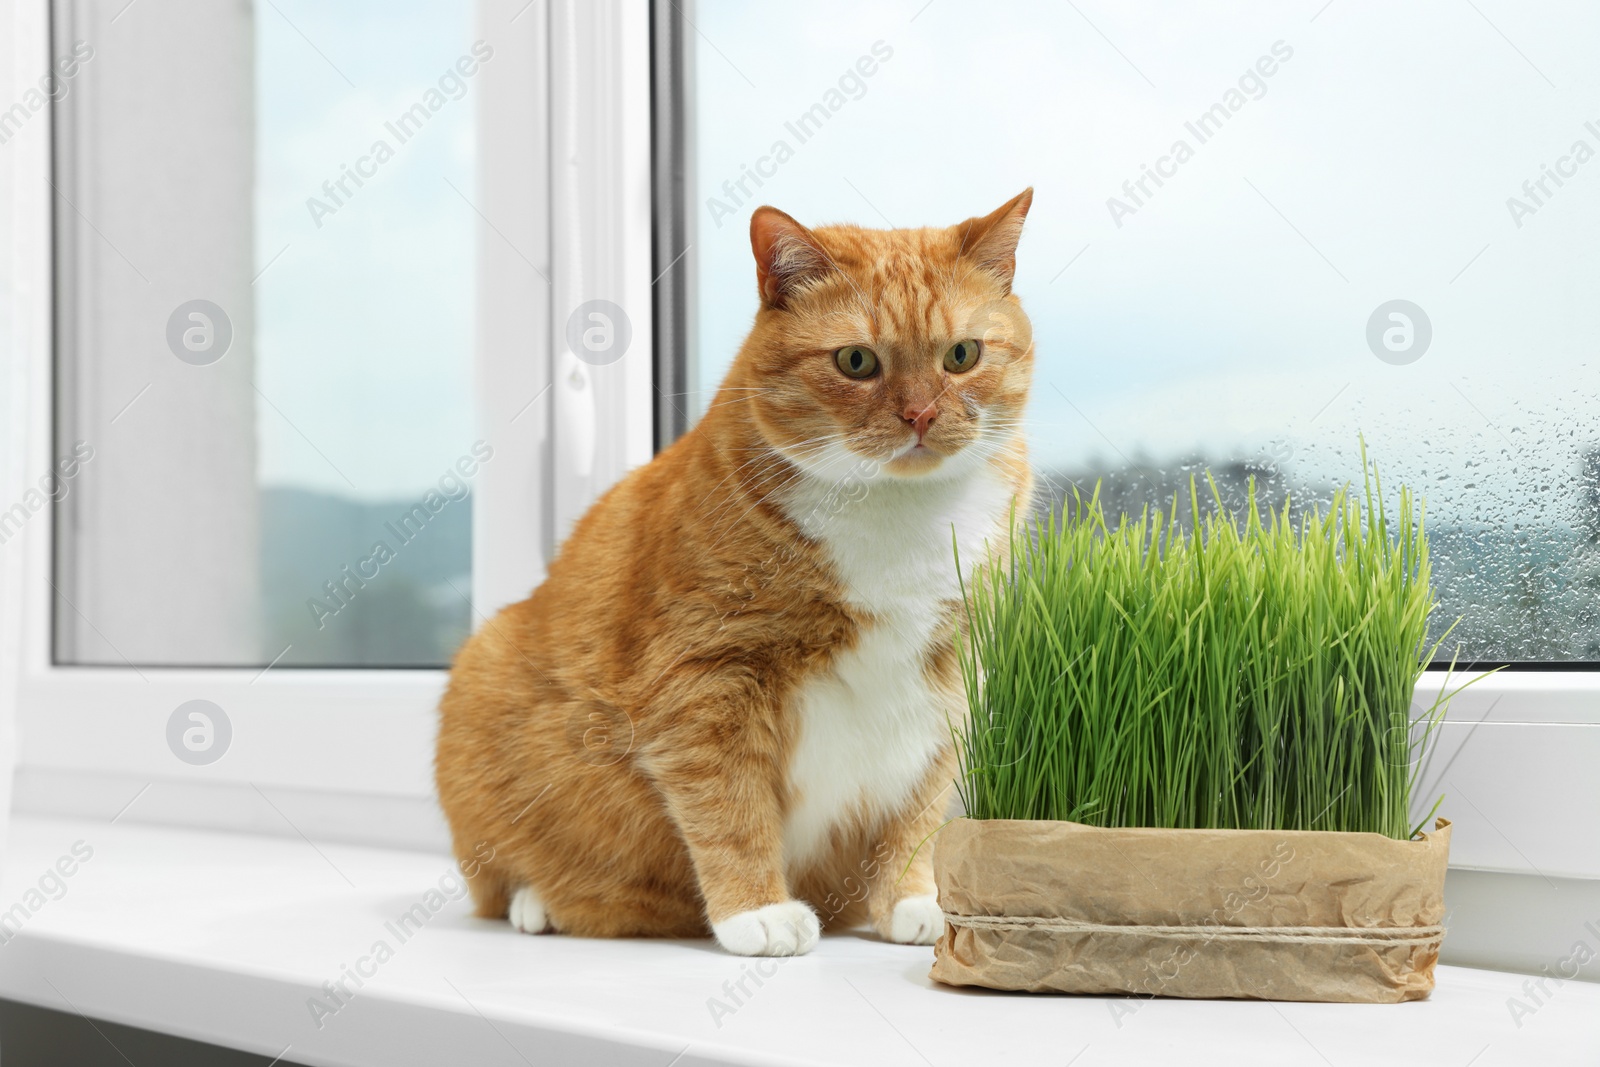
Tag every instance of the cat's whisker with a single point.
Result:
(701, 392)
(753, 394)
(743, 492)
(763, 450)
(765, 459)
(763, 453)
(735, 400)
(803, 451)
(763, 497)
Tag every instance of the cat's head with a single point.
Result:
(899, 353)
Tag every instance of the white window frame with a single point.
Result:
(1524, 742)
(576, 89)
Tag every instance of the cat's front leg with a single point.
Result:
(901, 902)
(722, 787)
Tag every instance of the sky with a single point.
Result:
(364, 322)
(1227, 314)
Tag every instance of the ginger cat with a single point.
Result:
(729, 705)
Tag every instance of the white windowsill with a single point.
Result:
(224, 937)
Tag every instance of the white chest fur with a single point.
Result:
(870, 727)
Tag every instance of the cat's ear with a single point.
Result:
(787, 254)
(990, 243)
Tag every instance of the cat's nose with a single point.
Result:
(920, 417)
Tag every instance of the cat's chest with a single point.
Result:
(870, 726)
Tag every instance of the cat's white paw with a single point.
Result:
(527, 912)
(916, 921)
(787, 929)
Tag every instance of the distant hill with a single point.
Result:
(1521, 594)
(1129, 488)
(406, 616)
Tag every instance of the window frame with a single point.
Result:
(672, 59)
(369, 733)
(580, 92)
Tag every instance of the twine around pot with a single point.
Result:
(1303, 935)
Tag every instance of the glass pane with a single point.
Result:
(266, 337)
(1256, 237)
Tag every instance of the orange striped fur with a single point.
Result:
(728, 707)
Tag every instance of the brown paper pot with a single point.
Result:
(1263, 914)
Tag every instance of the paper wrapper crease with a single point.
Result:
(1261, 914)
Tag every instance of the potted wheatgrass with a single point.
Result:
(1189, 760)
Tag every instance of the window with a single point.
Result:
(266, 344)
(293, 287)
(1256, 237)
(1238, 313)
(1259, 235)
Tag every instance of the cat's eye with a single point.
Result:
(856, 361)
(961, 357)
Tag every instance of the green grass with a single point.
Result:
(1237, 671)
